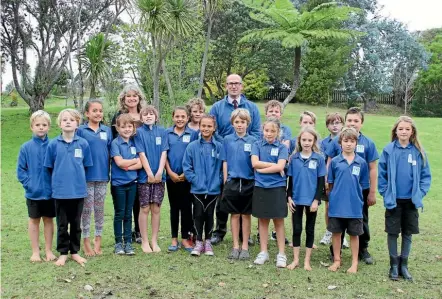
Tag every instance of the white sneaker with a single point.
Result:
(345, 244)
(281, 260)
(261, 258)
(326, 240)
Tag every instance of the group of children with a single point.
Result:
(264, 176)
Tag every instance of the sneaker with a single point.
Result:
(365, 256)
(244, 255)
(215, 240)
(326, 239)
(198, 249)
(119, 248)
(281, 260)
(138, 238)
(128, 249)
(234, 254)
(345, 244)
(261, 258)
(208, 250)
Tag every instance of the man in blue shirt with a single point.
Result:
(222, 111)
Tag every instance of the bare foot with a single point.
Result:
(353, 269)
(146, 247)
(61, 260)
(335, 266)
(76, 257)
(186, 243)
(87, 247)
(35, 257)
(97, 246)
(156, 248)
(50, 256)
(293, 265)
(307, 267)
(314, 246)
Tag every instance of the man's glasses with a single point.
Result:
(233, 83)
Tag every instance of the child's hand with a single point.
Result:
(371, 199)
(150, 178)
(158, 177)
(314, 206)
(183, 177)
(291, 205)
(174, 177)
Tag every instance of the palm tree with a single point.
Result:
(96, 58)
(293, 29)
(167, 21)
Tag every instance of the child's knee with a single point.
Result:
(155, 208)
(34, 221)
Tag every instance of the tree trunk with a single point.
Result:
(209, 90)
(37, 103)
(205, 55)
(168, 83)
(93, 93)
(80, 70)
(296, 77)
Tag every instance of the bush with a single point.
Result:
(255, 86)
(427, 103)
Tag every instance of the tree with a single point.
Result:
(294, 30)
(96, 58)
(167, 21)
(210, 7)
(47, 28)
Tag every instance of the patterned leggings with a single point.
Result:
(96, 193)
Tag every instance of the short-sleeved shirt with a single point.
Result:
(305, 173)
(177, 145)
(99, 142)
(404, 167)
(127, 151)
(345, 199)
(237, 155)
(68, 162)
(325, 143)
(269, 152)
(152, 142)
(365, 148)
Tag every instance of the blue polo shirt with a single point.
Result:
(305, 175)
(35, 178)
(269, 152)
(177, 145)
(325, 143)
(152, 142)
(365, 148)
(68, 162)
(202, 165)
(404, 166)
(345, 199)
(286, 133)
(237, 155)
(222, 110)
(99, 142)
(127, 151)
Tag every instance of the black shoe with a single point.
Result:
(138, 238)
(257, 239)
(215, 240)
(251, 242)
(365, 256)
(134, 237)
(403, 269)
(394, 268)
(274, 238)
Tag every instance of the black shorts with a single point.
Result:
(402, 219)
(237, 196)
(41, 208)
(353, 226)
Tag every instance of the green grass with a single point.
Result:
(178, 275)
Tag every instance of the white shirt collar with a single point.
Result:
(231, 100)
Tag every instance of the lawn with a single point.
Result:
(178, 275)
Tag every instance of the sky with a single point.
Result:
(418, 15)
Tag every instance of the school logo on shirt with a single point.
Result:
(356, 170)
(213, 153)
(414, 163)
(186, 138)
(274, 152)
(103, 135)
(410, 158)
(158, 140)
(312, 164)
(247, 147)
(78, 153)
(360, 148)
(133, 150)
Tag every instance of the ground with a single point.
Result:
(178, 275)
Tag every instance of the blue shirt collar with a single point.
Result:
(100, 127)
(60, 138)
(202, 141)
(340, 158)
(120, 140)
(187, 130)
(397, 144)
(38, 139)
(275, 143)
(148, 128)
(236, 137)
